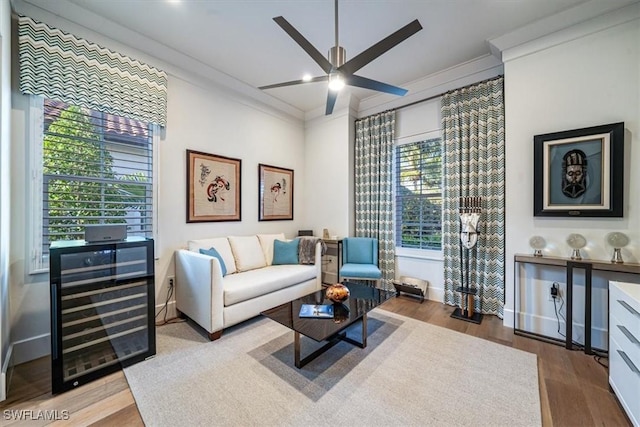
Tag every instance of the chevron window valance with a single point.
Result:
(60, 66)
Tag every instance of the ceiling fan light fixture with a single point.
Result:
(336, 82)
(338, 71)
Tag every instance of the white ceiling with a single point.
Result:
(239, 38)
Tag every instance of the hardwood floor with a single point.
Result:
(574, 387)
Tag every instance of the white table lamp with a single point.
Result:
(576, 242)
(618, 241)
(537, 243)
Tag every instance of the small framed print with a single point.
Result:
(275, 190)
(579, 172)
(213, 187)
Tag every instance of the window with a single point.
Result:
(95, 168)
(418, 194)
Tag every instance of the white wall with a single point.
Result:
(329, 174)
(5, 126)
(586, 77)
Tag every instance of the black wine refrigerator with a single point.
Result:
(102, 308)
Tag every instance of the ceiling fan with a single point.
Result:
(341, 72)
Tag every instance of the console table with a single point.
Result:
(588, 266)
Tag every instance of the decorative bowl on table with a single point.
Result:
(337, 292)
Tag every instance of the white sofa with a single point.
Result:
(251, 285)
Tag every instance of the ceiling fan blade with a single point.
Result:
(295, 82)
(331, 102)
(304, 44)
(366, 83)
(362, 59)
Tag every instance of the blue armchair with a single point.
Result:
(360, 259)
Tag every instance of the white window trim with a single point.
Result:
(400, 251)
(427, 254)
(155, 192)
(34, 122)
(34, 182)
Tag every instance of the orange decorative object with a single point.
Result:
(337, 292)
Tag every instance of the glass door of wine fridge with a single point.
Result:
(102, 308)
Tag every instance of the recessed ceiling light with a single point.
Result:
(306, 78)
(174, 1)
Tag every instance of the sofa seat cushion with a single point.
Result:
(254, 283)
(363, 271)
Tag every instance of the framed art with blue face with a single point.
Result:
(579, 172)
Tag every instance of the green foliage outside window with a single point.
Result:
(80, 184)
(419, 195)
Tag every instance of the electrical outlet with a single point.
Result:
(171, 281)
(554, 292)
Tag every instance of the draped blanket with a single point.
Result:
(307, 249)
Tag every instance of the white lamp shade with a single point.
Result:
(617, 239)
(537, 242)
(576, 241)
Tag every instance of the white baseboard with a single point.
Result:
(548, 327)
(507, 318)
(5, 374)
(171, 311)
(437, 294)
(3, 386)
(31, 348)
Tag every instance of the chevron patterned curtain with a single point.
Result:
(60, 66)
(473, 129)
(374, 187)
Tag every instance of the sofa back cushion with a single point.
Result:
(221, 245)
(285, 252)
(266, 241)
(247, 252)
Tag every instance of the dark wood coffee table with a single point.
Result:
(362, 300)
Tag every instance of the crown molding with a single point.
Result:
(571, 24)
(482, 68)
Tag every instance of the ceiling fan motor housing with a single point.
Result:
(337, 56)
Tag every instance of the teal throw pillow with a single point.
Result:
(212, 252)
(285, 252)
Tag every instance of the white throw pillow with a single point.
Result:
(266, 241)
(247, 252)
(221, 244)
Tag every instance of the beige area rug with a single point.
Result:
(411, 373)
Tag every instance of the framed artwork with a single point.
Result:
(579, 173)
(275, 192)
(213, 187)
